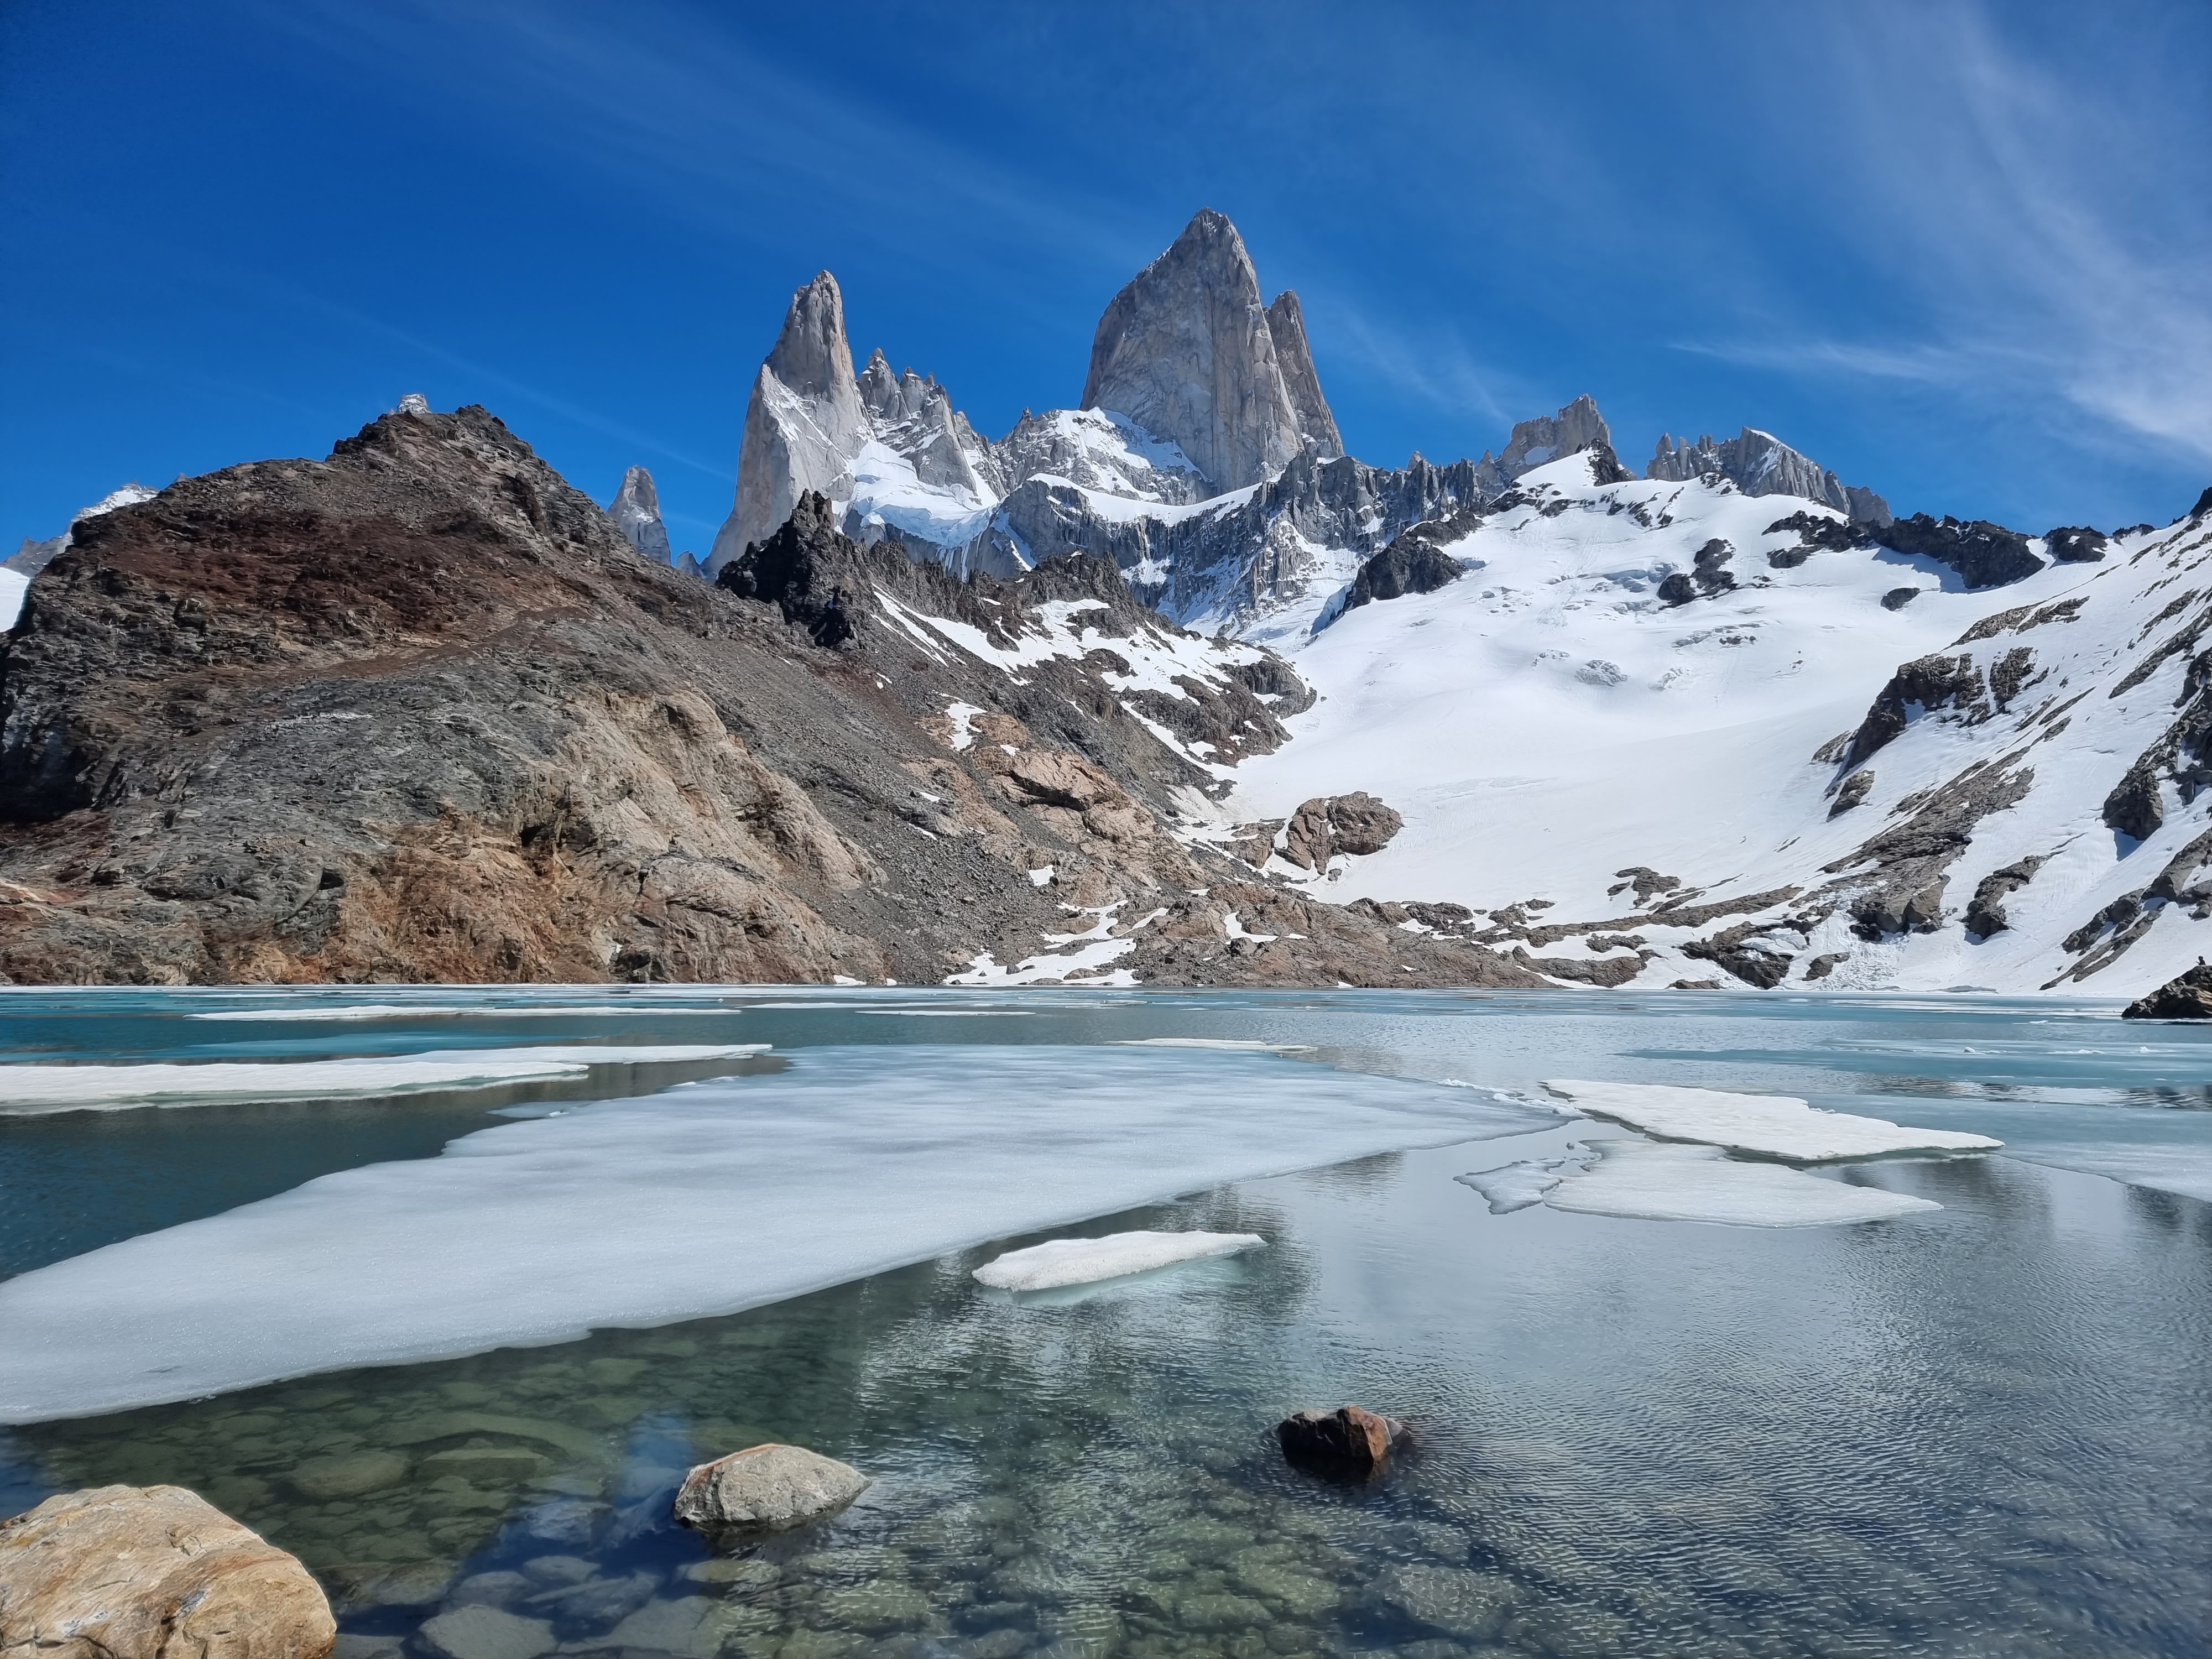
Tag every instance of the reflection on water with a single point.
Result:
(1979, 1430)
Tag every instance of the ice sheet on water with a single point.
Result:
(1059, 1262)
(1771, 1126)
(703, 1199)
(382, 1010)
(33, 1089)
(1656, 1181)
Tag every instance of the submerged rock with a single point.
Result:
(486, 1632)
(2185, 996)
(152, 1572)
(1349, 1443)
(768, 1487)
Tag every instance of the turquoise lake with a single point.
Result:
(1977, 1430)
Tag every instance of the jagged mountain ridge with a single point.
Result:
(419, 711)
(1199, 458)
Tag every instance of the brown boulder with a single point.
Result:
(1349, 1443)
(152, 1572)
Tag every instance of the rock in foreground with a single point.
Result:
(767, 1488)
(154, 1572)
(1349, 1443)
(2185, 996)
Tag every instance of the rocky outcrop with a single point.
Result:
(1760, 463)
(1984, 554)
(1927, 685)
(1185, 351)
(152, 1572)
(2186, 996)
(1355, 823)
(1414, 562)
(1349, 1443)
(636, 510)
(2076, 545)
(1548, 437)
(1287, 326)
(804, 423)
(767, 1488)
(1985, 915)
(1708, 575)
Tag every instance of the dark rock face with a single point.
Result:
(1412, 563)
(418, 712)
(1349, 1443)
(1926, 684)
(1817, 532)
(1708, 576)
(1855, 790)
(1898, 597)
(1985, 911)
(2186, 996)
(1760, 463)
(2076, 546)
(1984, 554)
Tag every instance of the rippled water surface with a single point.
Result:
(1981, 1430)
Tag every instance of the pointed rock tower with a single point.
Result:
(1187, 352)
(803, 425)
(1287, 326)
(636, 510)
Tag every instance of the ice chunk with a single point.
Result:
(1770, 1126)
(704, 1199)
(1657, 1181)
(1061, 1261)
(1513, 1186)
(1245, 1044)
(31, 1090)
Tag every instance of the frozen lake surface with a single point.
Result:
(1977, 1425)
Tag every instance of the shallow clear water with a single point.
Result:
(1979, 1430)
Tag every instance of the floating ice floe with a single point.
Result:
(1655, 1180)
(705, 1199)
(1246, 1044)
(1768, 1125)
(1513, 1186)
(1059, 1262)
(32, 1090)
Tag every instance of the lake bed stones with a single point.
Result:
(1349, 1443)
(766, 1488)
(152, 1572)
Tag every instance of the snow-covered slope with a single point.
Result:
(1609, 777)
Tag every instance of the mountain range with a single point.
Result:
(1161, 688)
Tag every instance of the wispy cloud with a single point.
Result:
(1434, 369)
(1993, 191)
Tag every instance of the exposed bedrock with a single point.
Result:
(1355, 823)
(1760, 463)
(1984, 554)
(1413, 562)
(152, 1572)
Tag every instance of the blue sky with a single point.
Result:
(1960, 253)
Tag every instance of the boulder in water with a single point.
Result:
(766, 1488)
(1349, 1443)
(152, 1572)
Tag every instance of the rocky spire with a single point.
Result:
(636, 510)
(1287, 326)
(1760, 463)
(1186, 352)
(1546, 438)
(804, 424)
